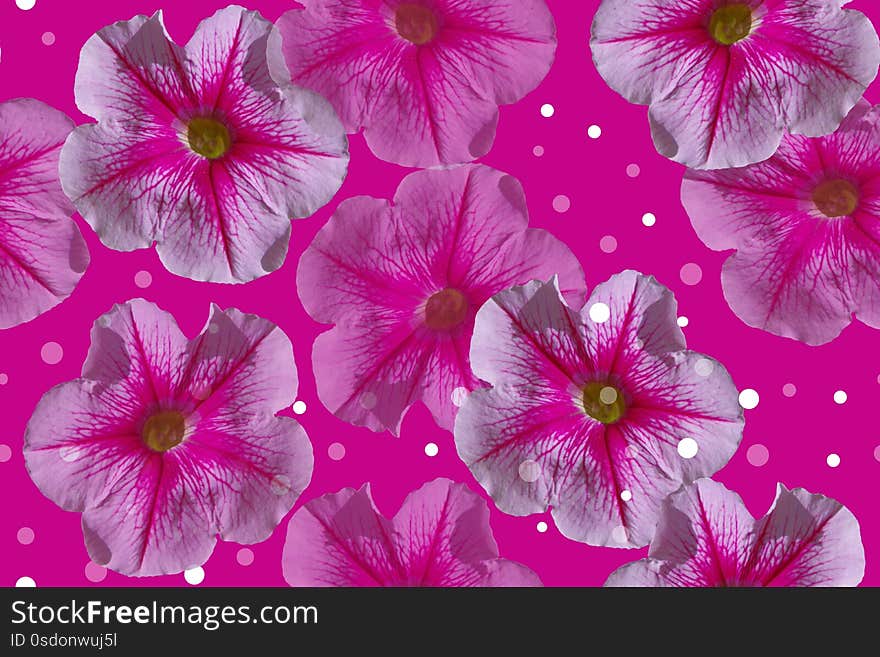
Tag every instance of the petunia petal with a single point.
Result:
(807, 540)
(340, 540)
(42, 253)
(702, 539)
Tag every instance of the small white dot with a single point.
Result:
(833, 460)
(840, 397)
(688, 448)
(431, 449)
(625, 495)
(648, 219)
(542, 527)
(26, 5)
(530, 471)
(619, 535)
(704, 367)
(299, 407)
(683, 321)
(749, 398)
(600, 312)
(547, 110)
(25, 583)
(194, 576)
(594, 132)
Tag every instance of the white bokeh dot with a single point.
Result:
(608, 395)
(194, 576)
(458, 396)
(26, 5)
(626, 495)
(431, 449)
(619, 535)
(704, 367)
(749, 398)
(648, 219)
(840, 397)
(600, 312)
(542, 526)
(547, 110)
(683, 321)
(594, 132)
(299, 407)
(530, 471)
(833, 460)
(688, 448)
(25, 583)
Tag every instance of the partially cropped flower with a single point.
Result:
(598, 415)
(707, 537)
(402, 282)
(440, 537)
(199, 149)
(725, 80)
(42, 253)
(805, 225)
(422, 78)
(165, 442)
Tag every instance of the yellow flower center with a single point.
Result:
(208, 137)
(731, 23)
(445, 310)
(836, 198)
(415, 23)
(603, 402)
(164, 430)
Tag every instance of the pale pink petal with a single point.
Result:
(420, 105)
(373, 267)
(440, 537)
(530, 442)
(42, 254)
(807, 540)
(340, 540)
(706, 537)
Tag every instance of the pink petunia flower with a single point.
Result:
(422, 78)
(42, 253)
(439, 537)
(402, 282)
(707, 537)
(725, 79)
(599, 414)
(205, 150)
(806, 228)
(165, 442)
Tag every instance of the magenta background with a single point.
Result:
(799, 432)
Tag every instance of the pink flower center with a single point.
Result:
(731, 23)
(836, 198)
(164, 430)
(208, 137)
(415, 23)
(445, 310)
(603, 402)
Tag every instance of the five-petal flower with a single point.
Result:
(204, 150)
(402, 282)
(599, 414)
(725, 79)
(422, 78)
(166, 442)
